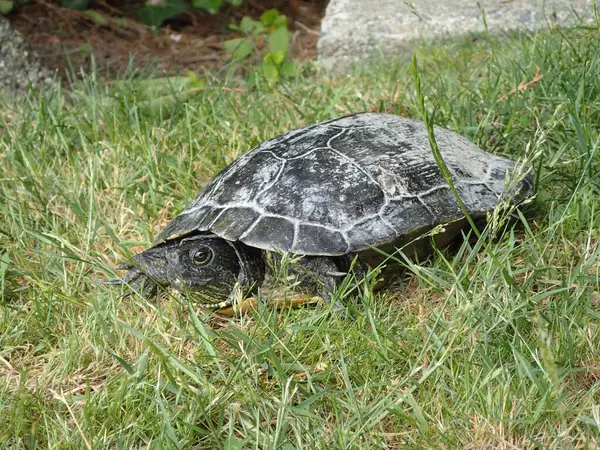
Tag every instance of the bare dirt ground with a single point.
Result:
(191, 41)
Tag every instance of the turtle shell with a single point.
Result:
(346, 185)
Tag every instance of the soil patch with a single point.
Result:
(191, 41)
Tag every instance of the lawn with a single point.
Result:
(495, 344)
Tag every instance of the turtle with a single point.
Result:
(354, 187)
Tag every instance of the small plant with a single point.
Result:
(269, 40)
(80, 5)
(155, 12)
(213, 6)
(6, 6)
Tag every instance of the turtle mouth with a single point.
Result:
(202, 299)
(136, 280)
(140, 282)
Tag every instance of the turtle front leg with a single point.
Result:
(250, 277)
(317, 277)
(320, 275)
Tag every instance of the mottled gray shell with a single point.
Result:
(345, 185)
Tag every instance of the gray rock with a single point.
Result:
(354, 30)
(19, 66)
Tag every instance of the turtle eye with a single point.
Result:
(202, 255)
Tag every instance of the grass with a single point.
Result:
(463, 352)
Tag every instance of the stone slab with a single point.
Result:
(354, 30)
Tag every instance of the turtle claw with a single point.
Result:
(336, 274)
(337, 307)
(114, 281)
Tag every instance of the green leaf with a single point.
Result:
(153, 88)
(196, 429)
(154, 14)
(238, 48)
(211, 6)
(279, 41)
(86, 50)
(142, 365)
(247, 24)
(124, 364)
(288, 69)
(269, 17)
(269, 68)
(235, 2)
(168, 428)
(254, 77)
(161, 100)
(4, 261)
(79, 5)
(195, 82)
(230, 45)
(281, 21)
(6, 6)
(162, 106)
(96, 17)
(233, 443)
(258, 30)
(278, 57)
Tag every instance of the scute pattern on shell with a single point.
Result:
(345, 185)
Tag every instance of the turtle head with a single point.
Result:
(204, 267)
(521, 187)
